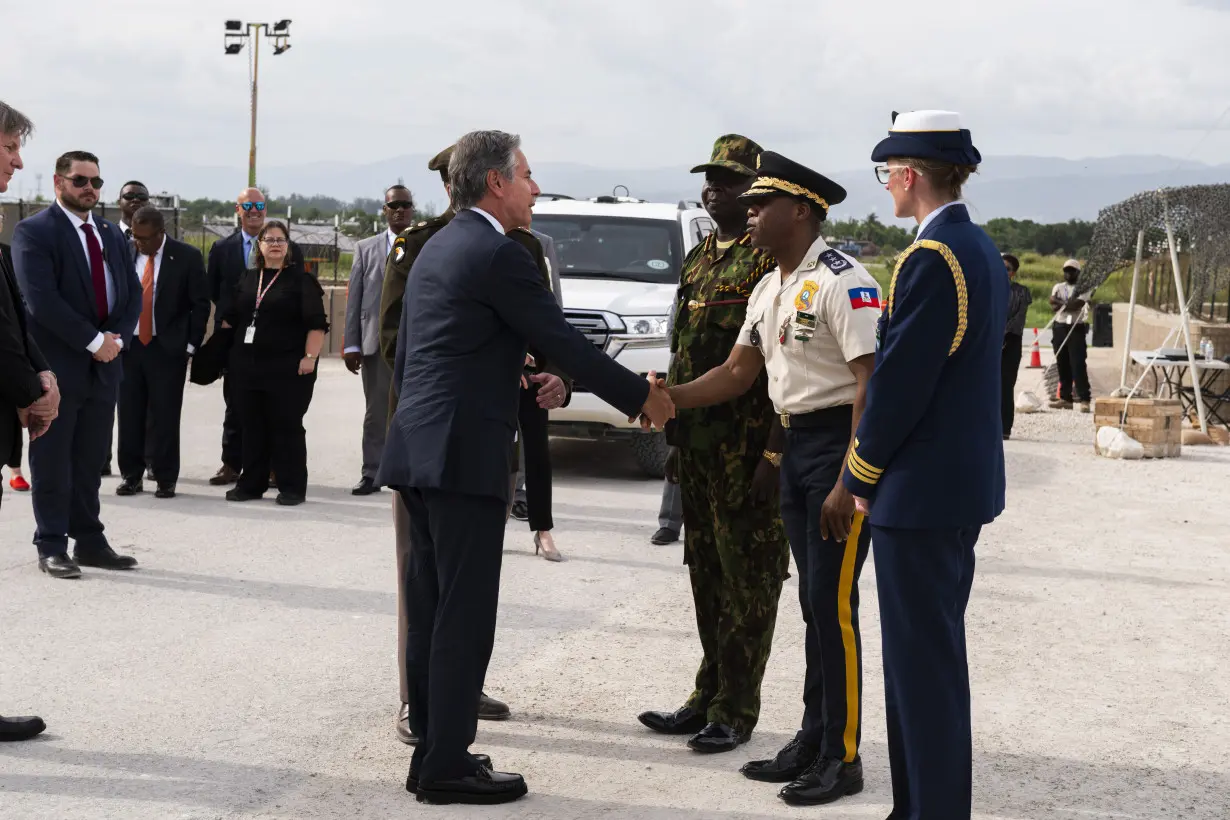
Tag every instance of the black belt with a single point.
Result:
(827, 417)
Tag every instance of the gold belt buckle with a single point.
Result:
(785, 420)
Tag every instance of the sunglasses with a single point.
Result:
(247, 206)
(399, 205)
(134, 197)
(80, 181)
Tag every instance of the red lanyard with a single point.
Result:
(262, 288)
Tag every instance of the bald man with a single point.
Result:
(228, 259)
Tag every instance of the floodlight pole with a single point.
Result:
(1187, 334)
(1127, 338)
(255, 29)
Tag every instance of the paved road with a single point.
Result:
(247, 669)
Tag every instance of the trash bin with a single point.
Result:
(1103, 330)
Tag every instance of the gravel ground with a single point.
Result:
(247, 670)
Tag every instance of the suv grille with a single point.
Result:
(592, 325)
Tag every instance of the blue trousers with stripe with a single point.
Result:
(924, 579)
(828, 587)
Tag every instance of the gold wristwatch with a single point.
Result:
(774, 458)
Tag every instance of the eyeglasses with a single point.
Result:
(80, 181)
(131, 197)
(247, 206)
(274, 240)
(399, 205)
(885, 172)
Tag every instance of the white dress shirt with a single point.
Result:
(495, 223)
(929, 218)
(85, 249)
(389, 238)
(140, 265)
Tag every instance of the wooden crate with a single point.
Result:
(1156, 423)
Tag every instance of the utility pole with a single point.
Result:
(234, 38)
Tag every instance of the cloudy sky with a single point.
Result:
(629, 84)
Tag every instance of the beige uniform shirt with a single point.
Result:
(809, 326)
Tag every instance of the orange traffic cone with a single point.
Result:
(1035, 355)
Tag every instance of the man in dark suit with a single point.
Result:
(228, 259)
(83, 297)
(473, 306)
(174, 310)
(27, 385)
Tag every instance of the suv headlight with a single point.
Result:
(639, 332)
(644, 325)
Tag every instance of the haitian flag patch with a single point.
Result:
(864, 297)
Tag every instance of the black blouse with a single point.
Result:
(293, 305)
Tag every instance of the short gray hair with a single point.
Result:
(477, 153)
(13, 123)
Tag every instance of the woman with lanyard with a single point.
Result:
(279, 321)
(927, 464)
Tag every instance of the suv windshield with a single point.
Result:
(611, 247)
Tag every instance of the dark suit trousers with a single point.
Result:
(451, 587)
(65, 467)
(1073, 372)
(376, 378)
(232, 426)
(1009, 367)
(271, 412)
(151, 401)
(536, 456)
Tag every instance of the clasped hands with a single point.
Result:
(109, 349)
(38, 416)
(658, 408)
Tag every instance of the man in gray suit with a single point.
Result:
(361, 351)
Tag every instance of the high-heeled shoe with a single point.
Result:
(548, 549)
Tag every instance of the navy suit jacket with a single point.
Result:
(929, 447)
(474, 304)
(54, 276)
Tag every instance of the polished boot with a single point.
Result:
(716, 738)
(59, 566)
(491, 709)
(686, 720)
(404, 733)
(130, 486)
(412, 777)
(103, 558)
(484, 787)
(789, 764)
(827, 780)
(20, 728)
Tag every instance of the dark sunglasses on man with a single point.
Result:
(134, 197)
(247, 206)
(399, 205)
(80, 181)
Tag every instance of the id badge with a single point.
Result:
(249, 335)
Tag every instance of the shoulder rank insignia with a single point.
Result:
(835, 261)
(805, 299)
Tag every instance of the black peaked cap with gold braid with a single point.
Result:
(778, 176)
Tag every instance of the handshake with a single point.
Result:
(38, 416)
(658, 408)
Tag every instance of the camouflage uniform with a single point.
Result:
(735, 548)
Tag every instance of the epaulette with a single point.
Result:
(524, 230)
(835, 262)
(957, 276)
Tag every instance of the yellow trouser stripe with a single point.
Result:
(845, 617)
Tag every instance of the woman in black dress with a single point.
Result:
(279, 322)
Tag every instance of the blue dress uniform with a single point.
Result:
(929, 455)
(808, 326)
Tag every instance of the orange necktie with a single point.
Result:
(145, 325)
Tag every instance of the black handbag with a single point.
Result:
(210, 360)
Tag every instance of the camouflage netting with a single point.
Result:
(1200, 218)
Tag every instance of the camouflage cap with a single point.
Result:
(734, 153)
(440, 161)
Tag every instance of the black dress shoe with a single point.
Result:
(103, 558)
(521, 511)
(236, 494)
(59, 566)
(827, 780)
(165, 491)
(149, 474)
(130, 486)
(366, 486)
(664, 536)
(106, 470)
(789, 764)
(224, 476)
(412, 777)
(484, 787)
(404, 733)
(686, 720)
(20, 728)
(715, 738)
(491, 709)
(290, 500)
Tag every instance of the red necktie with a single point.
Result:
(97, 274)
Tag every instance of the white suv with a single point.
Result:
(619, 269)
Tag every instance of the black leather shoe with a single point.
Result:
(149, 474)
(59, 566)
(236, 494)
(290, 500)
(827, 780)
(130, 486)
(664, 536)
(404, 733)
(103, 558)
(105, 472)
(165, 491)
(20, 728)
(789, 764)
(715, 738)
(686, 720)
(412, 777)
(366, 486)
(484, 787)
(521, 511)
(491, 709)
